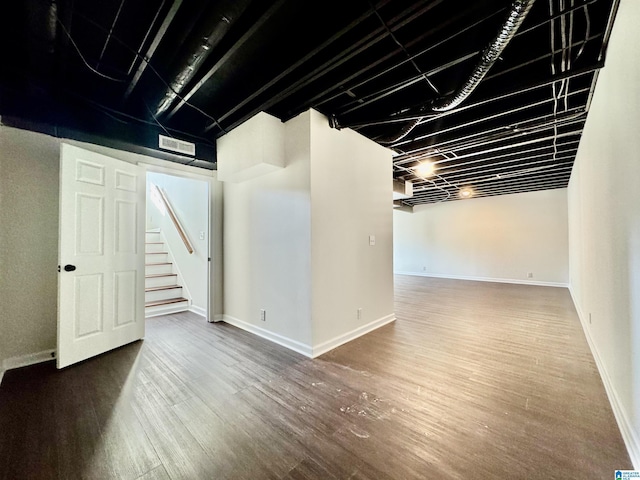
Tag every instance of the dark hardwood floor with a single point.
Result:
(473, 381)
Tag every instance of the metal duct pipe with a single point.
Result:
(404, 131)
(490, 55)
(204, 45)
(52, 24)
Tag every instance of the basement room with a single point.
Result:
(374, 240)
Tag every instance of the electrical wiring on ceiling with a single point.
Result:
(124, 80)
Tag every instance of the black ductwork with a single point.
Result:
(490, 55)
(517, 14)
(218, 23)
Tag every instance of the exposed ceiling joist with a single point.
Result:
(124, 71)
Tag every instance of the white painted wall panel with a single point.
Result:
(351, 199)
(267, 254)
(253, 149)
(604, 213)
(296, 241)
(497, 238)
(29, 168)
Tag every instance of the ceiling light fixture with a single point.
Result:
(424, 169)
(466, 192)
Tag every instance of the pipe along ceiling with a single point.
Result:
(485, 98)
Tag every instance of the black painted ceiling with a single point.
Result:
(120, 72)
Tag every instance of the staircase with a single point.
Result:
(162, 293)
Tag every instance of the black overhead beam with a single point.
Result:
(454, 172)
(521, 32)
(404, 49)
(144, 60)
(541, 57)
(108, 39)
(340, 85)
(228, 54)
(363, 44)
(502, 113)
(64, 15)
(137, 57)
(505, 136)
(527, 125)
(516, 91)
(297, 64)
(217, 20)
(372, 98)
(425, 153)
(521, 172)
(538, 151)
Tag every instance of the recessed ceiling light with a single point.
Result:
(466, 192)
(424, 169)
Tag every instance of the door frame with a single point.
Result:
(212, 209)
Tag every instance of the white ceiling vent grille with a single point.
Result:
(175, 145)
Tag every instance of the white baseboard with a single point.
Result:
(486, 279)
(324, 347)
(306, 350)
(26, 360)
(268, 335)
(164, 310)
(198, 310)
(626, 428)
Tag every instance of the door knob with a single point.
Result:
(69, 268)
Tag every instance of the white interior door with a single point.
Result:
(101, 254)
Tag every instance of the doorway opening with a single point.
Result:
(176, 245)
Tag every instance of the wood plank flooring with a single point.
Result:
(474, 380)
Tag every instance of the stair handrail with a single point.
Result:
(174, 219)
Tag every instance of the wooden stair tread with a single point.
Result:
(163, 287)
(152, 264)
(156, 253)
(168, 301)
(157, 275)
(153, 243)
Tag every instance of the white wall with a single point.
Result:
(351, 199)
(29, 189)
(296, 241)
(499, 238)
(29, 166)
(267, 250)
(189, 199)
(604, 224)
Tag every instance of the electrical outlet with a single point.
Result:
(263, 315)
(201, 235)
(530, 275)
(424, 269)
(359, 314)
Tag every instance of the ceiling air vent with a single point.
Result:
(175, 145)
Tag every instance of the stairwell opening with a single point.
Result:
(176, 245)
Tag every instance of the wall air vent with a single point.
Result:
(175, 145)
